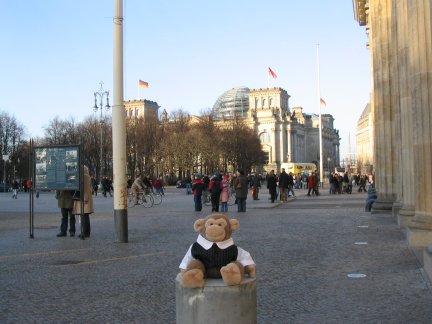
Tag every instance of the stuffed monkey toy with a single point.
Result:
(214, 254)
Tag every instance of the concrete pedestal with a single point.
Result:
(217, 303)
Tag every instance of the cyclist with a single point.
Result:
(147, 185)
(137, 186)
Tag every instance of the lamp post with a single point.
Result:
(5, 158)
(101, 94)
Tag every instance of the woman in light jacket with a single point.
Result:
(88, 204)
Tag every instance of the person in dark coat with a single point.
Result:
(197, 189)
(65, 203)
(241, 187)
(283, 185)
(271, 185)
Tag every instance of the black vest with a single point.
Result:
(214, 257)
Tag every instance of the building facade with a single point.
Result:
(364, 142)
(400, 41)
(141, 109)
(286, 135)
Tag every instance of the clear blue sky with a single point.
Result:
(55, 53)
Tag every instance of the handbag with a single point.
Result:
(76, 195)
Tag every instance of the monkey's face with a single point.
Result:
(216, 229)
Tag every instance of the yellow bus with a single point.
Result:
(299, 168)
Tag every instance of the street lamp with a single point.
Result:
(101, 94)
(5, 158)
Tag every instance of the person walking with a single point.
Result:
(65, 203)
(290, 184)
(87, 197)
(225, 194)
(283, 185)
(15, 187)
(215, 188)
(197, 190)
(312, 184)
(158, 185)
(256, 184)
(188, 182)
(241, 187)
(272, 185)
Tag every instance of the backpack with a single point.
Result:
(215, 187)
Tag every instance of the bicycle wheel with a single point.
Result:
(147, 201)
(157, 198)
(130, 200)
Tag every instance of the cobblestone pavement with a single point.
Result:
(305, 251)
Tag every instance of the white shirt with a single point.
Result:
(243, 256)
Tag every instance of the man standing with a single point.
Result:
(241, 187)
(283, 185)
(256, 184)
(271, 185)
(215, 188)
(65, 203)
(197, 189)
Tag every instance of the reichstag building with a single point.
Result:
(286, 134)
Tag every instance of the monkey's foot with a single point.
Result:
(231, 274)
(193, 279)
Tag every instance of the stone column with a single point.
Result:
(380, 17)
(420, 231)
(405, 29)
(395, 82)
(273, 145)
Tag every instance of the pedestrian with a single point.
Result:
(215, 188)
(256, 184)
(362, 184)
(290, 184)
(65, 203)
(188, 182)
(283, 185)
(241, 187)
(197, 190)
(158, 185)
(225, 194)
(272, 185)
(95, 186)
(15, 187)
(87, 197)
(311, 184)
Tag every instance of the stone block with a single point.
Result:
(217, 303)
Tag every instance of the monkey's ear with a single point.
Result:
(199, 224)
(235, 224)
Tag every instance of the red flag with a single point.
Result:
(272, 74)
(143, 84)
(322, 102)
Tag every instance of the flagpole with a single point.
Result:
(321, 171)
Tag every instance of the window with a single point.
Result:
(264, 137)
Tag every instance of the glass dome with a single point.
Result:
(234, 102)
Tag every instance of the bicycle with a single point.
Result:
(143, 198)
(157, 197)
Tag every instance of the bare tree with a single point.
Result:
(11, 144)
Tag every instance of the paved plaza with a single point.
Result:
(319, 260)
